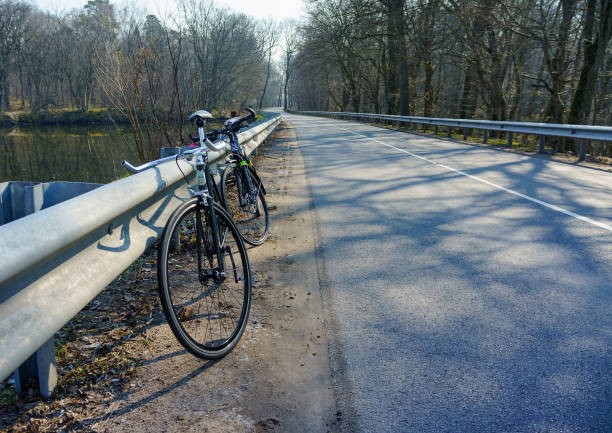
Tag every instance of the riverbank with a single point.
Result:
(73, 117)
(96, 116)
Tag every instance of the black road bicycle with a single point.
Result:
(203, 271)
(242, 191)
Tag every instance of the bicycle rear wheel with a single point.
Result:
(247, 206)
(206, 303)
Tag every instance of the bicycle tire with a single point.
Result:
(249, 211)
(207, 315)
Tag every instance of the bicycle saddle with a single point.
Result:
(201, 114)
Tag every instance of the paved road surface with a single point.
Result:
(469, 288)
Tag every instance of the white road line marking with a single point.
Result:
(494, 185)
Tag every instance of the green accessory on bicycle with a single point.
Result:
(243, 163)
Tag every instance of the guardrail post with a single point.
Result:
(18, 199)
(541, 141)
(485, 136)
(510, 138)
(582, 150)
(42, 367)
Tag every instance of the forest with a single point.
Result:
(520, 60)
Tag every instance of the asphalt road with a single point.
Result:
(468, 289)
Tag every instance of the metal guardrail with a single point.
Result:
(578, 132)
(54, 262)
(21, 198)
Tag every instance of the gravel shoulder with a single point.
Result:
(121, 370)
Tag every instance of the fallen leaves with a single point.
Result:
(97, 354)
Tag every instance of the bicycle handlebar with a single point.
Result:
(251, 116)
(235, 123)
(143, 167)
(191, 152)
(212, 146)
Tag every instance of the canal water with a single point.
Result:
(78, 154)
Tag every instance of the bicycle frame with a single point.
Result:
(243, 162)
(206, 187)
(204, 182)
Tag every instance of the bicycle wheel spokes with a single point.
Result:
(246, 203)
(205, 303)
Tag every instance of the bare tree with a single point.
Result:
(397, 77)
(595, 39)
(13, 16)
(291, 41)
(427, 37)
(225, 55)
(268, 34)
(84, 42)
(556, 55)
(141, 78)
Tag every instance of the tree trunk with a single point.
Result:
(558, 64)
(397, 71)
(593, 57)
(265, 87)
(428, 91)
(5, 102)
(402, 60)
(473, 71)
(469, 96)
(391, 87)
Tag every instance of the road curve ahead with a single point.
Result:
(468, 289)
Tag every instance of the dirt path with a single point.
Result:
(276, 380)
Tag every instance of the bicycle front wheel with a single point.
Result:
(205, 291)
(244, 199)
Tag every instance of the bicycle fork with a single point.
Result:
(247, 191)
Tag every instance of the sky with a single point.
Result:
(278, 10)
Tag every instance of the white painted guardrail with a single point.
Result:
(578, 132)
(54, 262)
